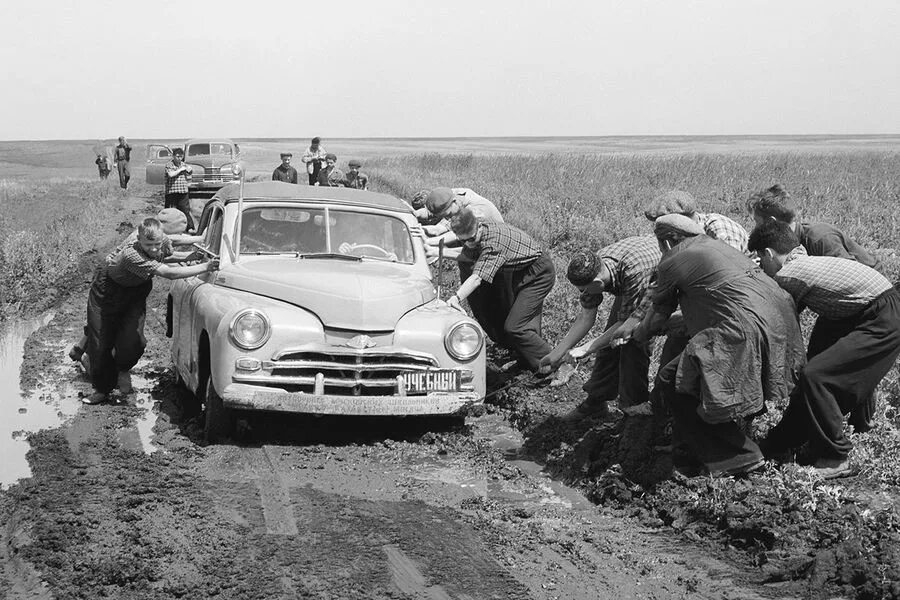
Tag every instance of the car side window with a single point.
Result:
(214, 230)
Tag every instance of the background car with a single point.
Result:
(323, 304)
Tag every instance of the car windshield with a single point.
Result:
(323, 232)
(207, 149)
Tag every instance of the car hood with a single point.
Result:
(363, 296)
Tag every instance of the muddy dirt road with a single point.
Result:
(126, 501)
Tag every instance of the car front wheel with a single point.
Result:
(220, 421)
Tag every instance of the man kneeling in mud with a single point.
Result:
(117, 305)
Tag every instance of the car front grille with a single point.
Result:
(339, 371)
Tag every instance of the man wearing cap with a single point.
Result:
(178, 177)
(122, 159)
(854, 344)
(623, 269)
(285, 172)
(444, 202)
(313, 159)
(716, 226)
(501, 248)
(354, 179)
(330, 176)
(744, 349)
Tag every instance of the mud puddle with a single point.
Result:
(20, 414)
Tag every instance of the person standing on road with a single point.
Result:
(330, 175)
(122, 157)
(354, 179)
(313, 159)
(102, 165)
(498, 247)
(623, 269)
(744, 346)
(178, 177)
(819, 239)
(117, 307)
(854, 344)
(285, 172)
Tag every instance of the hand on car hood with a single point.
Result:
(363, 296)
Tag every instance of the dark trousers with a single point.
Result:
(115, 328)
(621, 371)
(491, 303)
(104, 173)
(721, 446)
(182, 202)
(314, 176)
(847, 359)
(124, 173)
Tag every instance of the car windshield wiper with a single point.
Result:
(270, 252)
(337, 255)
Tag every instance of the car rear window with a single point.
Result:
(319, 230)
(207, 149)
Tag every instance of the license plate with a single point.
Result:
(439, 380)
(213, 180)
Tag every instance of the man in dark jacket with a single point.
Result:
(285, 172)
(122, 156)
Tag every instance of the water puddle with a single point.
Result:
(21, 414)
(147, 419)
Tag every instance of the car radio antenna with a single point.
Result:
(440, 268)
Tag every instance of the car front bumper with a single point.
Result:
(250, 397)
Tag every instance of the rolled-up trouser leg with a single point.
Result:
(720, 447)
(522, 326)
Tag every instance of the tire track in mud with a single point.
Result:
(273, 493)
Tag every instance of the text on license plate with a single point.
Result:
(420, 382)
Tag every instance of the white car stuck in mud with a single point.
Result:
(324, 304)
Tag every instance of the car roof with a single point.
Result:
(209, 141)
(281, 191)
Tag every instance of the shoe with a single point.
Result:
(76, 353)
(589, 409)
(96, 398)
(744, 469)
(644, 409)
(124, 382)
(832, 468)
(775, 453)
(562, 376)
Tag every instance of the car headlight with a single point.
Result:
(464, 341)
(250, 329)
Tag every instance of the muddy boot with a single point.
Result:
(589, 409)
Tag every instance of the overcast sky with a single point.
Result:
(391, 68)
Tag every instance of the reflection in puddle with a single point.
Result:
(21, 414)
(147, 419)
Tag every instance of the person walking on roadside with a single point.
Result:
(330, 175)
(102, 165)
(313, 159)
(854, 344)
(623, 269)
(498, 247)
(178, 177)
(117, 307)
(353, 178)
(819, 239)
(122, 159)
(285, 172)
(744, 346)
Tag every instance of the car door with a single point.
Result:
(157, 157)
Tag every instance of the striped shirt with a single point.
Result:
(131, 266)
(179, 183)
(632, 263)
(499, 246)
(831, 287)
(722, 228)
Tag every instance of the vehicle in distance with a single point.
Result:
(323, 304)
(215, 162)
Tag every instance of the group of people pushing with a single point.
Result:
(728, 304)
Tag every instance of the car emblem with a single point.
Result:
(361, 342)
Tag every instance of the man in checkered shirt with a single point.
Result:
(716, 226)
(178, 175)
(502, 250)
(623, 269)
(854, 344)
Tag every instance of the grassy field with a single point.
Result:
(567, 201)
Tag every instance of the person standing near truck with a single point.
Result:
(178, 176)
(122, 157)
(313, 159)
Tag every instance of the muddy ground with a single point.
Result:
(350, 508)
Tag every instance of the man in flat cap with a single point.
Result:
(330, 175)
(745, 346)
(353, 178)
(285, 172)
(623, 269)
(714, 225)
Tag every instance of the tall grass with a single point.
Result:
(45, 229)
